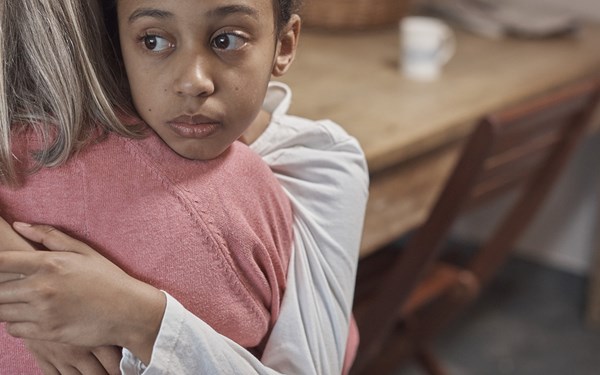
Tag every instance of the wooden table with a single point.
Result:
(411, 131)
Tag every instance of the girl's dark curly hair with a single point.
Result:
(283, 10)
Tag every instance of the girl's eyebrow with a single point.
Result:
(218, 12)
(149, 12)
(231, 9)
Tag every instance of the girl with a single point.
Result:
(317, 281)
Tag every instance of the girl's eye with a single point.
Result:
(228, 41)
(155, 43)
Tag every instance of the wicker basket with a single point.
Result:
(352, 14)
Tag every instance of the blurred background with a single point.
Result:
(541, 313)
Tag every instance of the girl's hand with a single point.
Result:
(11, 240)
(73, 295)
(56, 358)
(52, 357)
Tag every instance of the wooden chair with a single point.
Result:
(406, 294)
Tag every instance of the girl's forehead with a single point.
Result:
(196, 11)
(199, 5)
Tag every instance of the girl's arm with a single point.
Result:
(324, 172)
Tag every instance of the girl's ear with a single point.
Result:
(287, 43)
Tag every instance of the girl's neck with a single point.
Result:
(258, 126)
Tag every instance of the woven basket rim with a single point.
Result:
(352, 13)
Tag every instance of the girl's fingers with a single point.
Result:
(19, 262)
(47, 367)
(70, 370)
(56, 358)
(92, 366)
(14, 312)
(51, 238)
(9, 277)
(25, 330)
(14, 292)
(11, 240)
(110, 358)
(89, 365)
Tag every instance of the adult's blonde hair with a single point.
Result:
(56, 79)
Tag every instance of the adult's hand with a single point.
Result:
(73, 295)
(54, 358)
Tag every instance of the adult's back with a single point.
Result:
(214, 234)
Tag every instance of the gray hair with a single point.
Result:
(56, 79)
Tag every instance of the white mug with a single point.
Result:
(427, 44)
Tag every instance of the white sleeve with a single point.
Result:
(328, 188)
(187, 345)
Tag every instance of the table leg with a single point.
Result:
(593, 303)
(593, 299)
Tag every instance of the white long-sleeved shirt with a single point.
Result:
(324, 173)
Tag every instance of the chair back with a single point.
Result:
(521, 148)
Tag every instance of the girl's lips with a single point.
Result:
(193, 130)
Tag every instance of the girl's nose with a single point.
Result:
(194, 78)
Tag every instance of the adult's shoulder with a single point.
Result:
(154, 152)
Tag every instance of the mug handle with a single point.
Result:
(448, 46)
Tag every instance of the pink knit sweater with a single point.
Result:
(216, 235)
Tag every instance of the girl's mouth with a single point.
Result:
(193, 126)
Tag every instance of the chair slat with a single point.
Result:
(411, 296)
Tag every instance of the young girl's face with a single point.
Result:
(198, 70)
